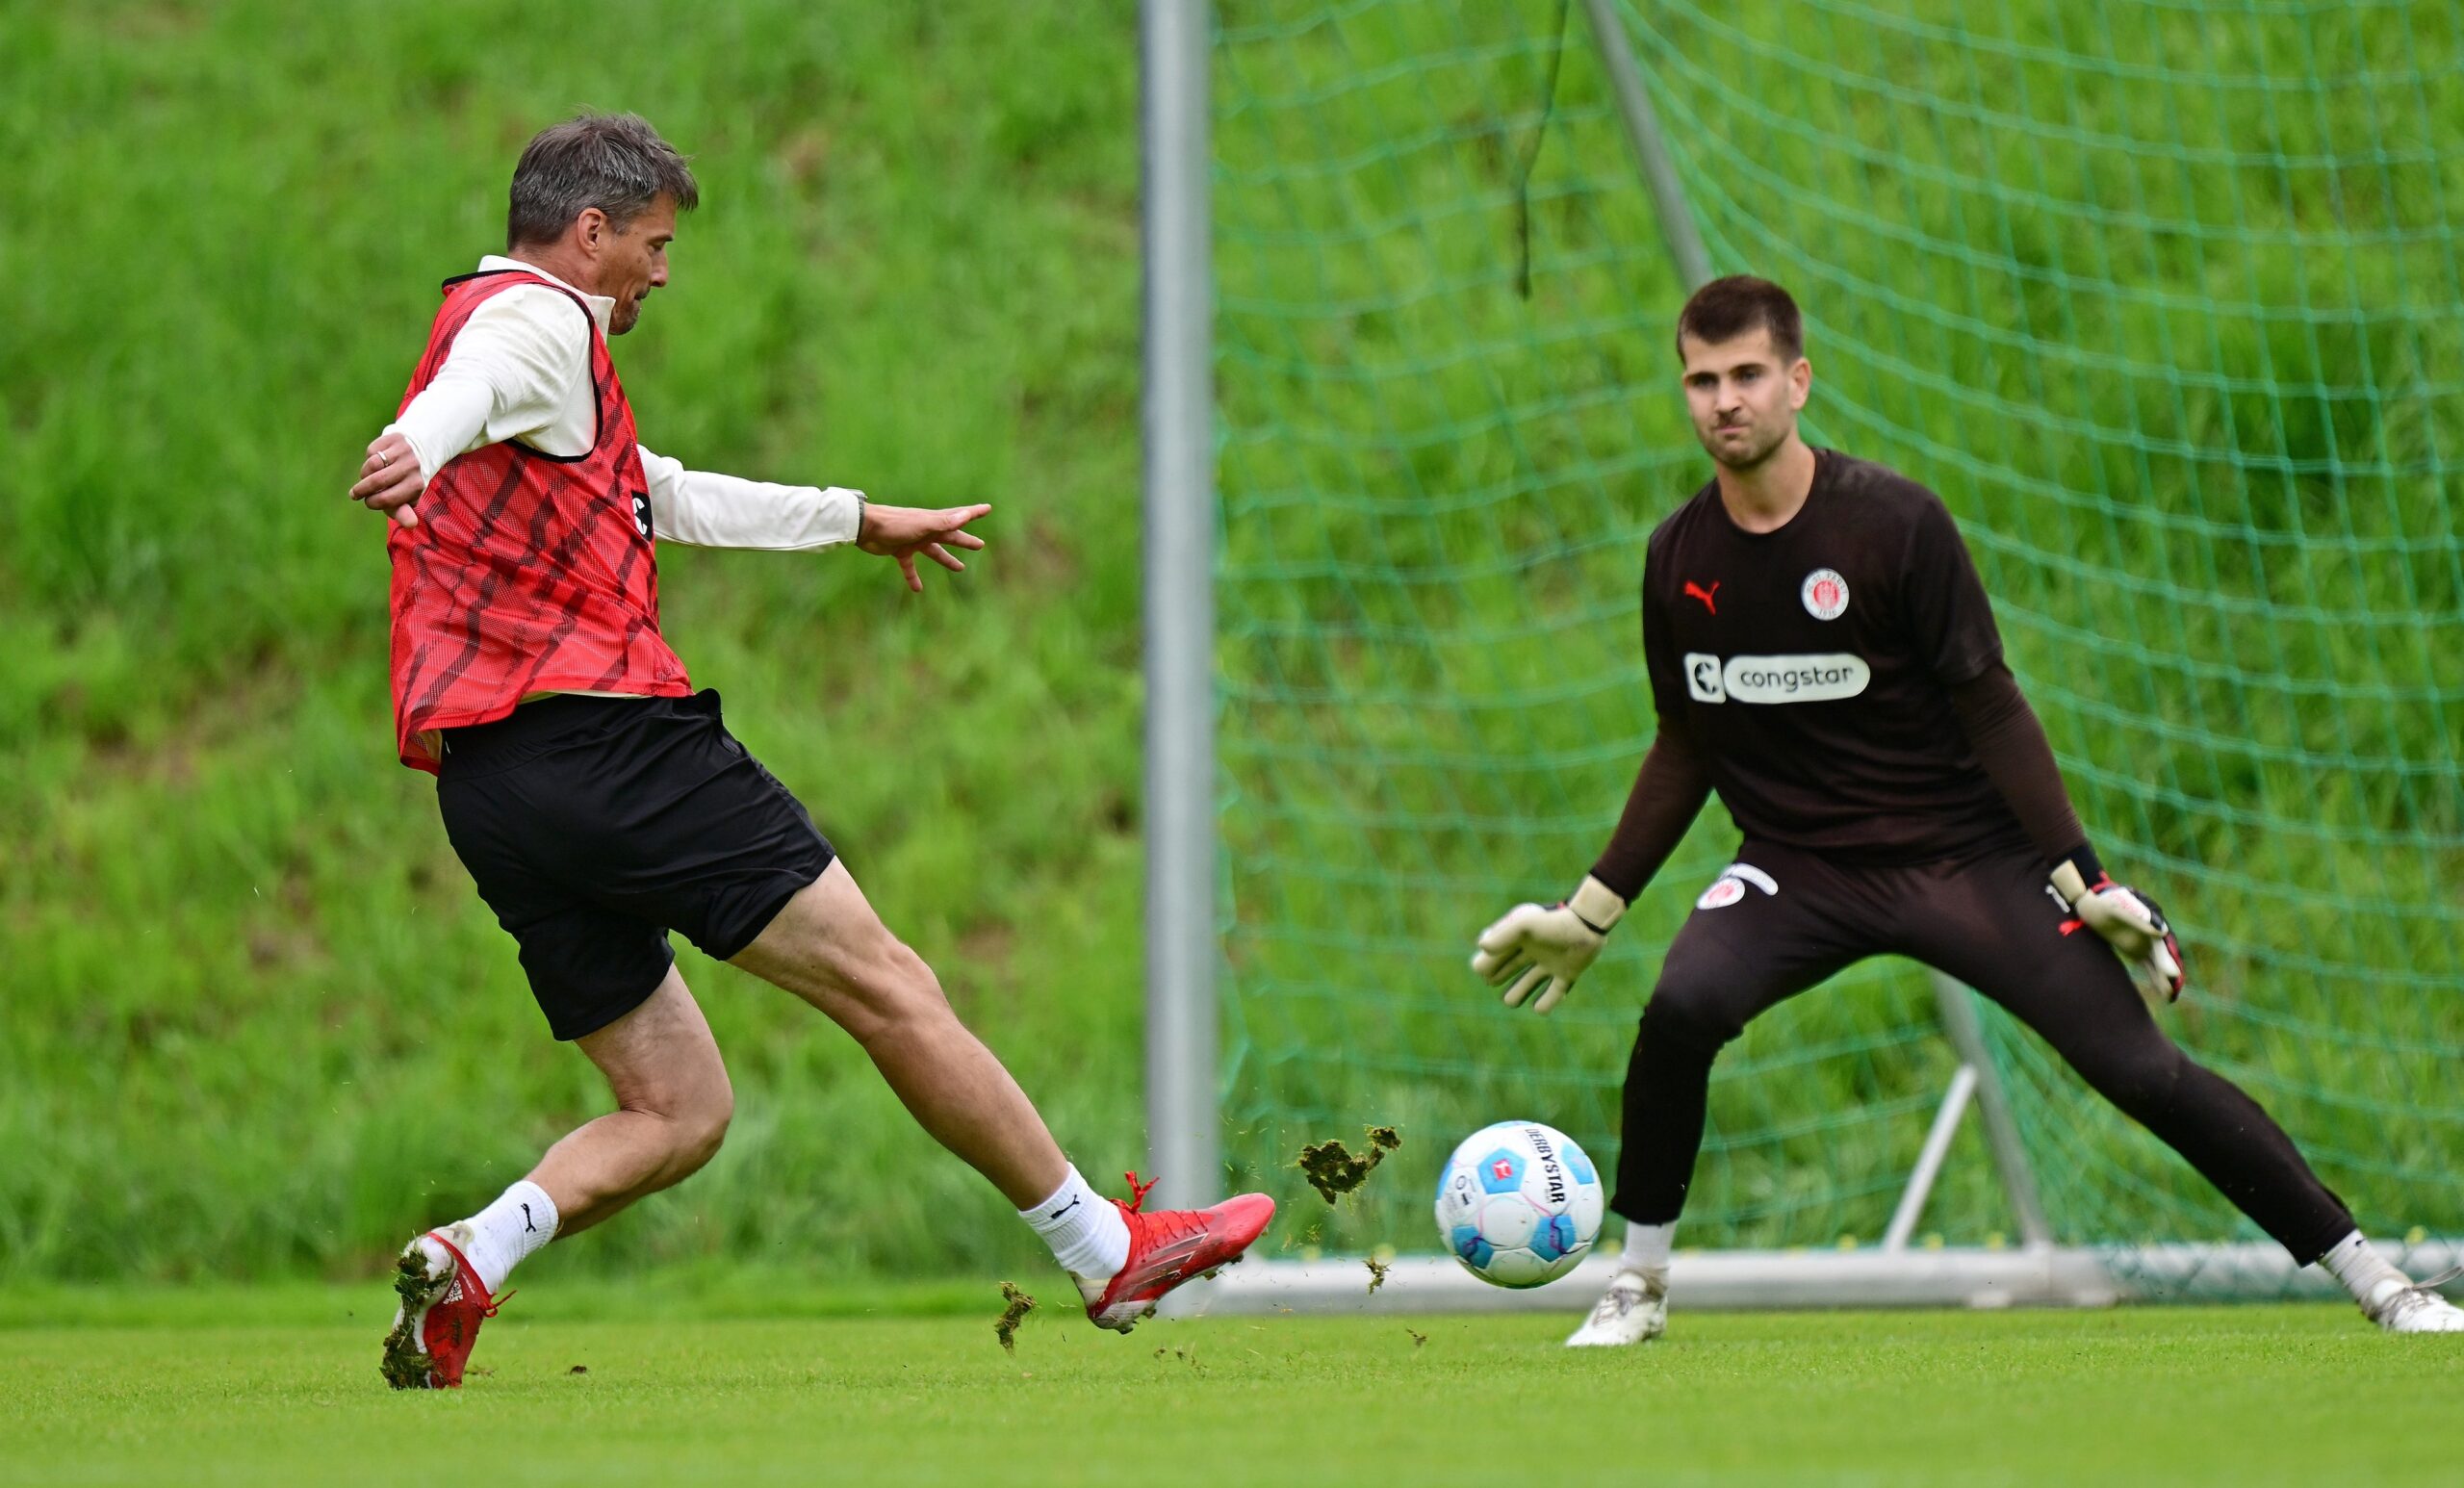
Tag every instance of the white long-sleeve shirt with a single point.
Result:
(520, 370)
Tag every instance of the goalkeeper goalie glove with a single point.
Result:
(1554, 943)
(2129, 921)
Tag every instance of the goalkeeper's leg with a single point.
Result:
(1752, 941)
(828, 947)
(1990, 924)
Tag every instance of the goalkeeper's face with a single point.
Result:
(1743, 397)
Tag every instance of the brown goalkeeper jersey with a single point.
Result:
(1810, 670)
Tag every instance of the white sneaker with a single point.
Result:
(2413, 1310)
(1634, 1310)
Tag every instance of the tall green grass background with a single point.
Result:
(252, 1019)
(2164, 302)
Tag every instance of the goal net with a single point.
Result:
(2164, 298)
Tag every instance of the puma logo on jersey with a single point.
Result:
(1695, 591)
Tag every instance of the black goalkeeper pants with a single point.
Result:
(1785, 920)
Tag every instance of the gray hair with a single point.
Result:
(614, 162)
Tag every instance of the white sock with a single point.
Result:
(1647, 1247)
(1087, 1234)
(2364, 1271)
(522, 1220)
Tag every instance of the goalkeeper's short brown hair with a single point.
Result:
(1726, 309)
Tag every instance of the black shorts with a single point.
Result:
(593, 825)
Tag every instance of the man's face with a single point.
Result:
(1743, 398)
(633, 261)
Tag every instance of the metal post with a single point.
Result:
(1651, 147)
(1929, 1161)
(2001, 1129)
(1182, 1145)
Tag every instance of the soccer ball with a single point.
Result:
(1518, 1204)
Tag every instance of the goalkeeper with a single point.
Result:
(1822, 655)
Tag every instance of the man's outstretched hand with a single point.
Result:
(903, 532)
(390, 479)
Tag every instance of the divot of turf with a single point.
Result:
(579, 1369)
(1377, 1274)
(405, 1365)
(1417, 1338)
(1019, 1305)
(1332, 1169)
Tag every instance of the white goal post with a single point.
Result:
(1184, 1149)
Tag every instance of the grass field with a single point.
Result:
(796, 1386)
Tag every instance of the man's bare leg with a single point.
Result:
(673, 1103)
(672, 1108)
(828, 947)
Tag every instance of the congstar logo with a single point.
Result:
(1822, 679)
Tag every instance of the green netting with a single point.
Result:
(2164, 298)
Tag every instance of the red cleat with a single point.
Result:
(1171, 1247)
(443, 1305)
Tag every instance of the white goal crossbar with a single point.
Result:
(1728, 1280)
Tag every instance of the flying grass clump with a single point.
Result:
(1332, 1169)
(1016, 1305)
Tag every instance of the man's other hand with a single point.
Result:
(2132, 925)
(390, 479)
(903, 532)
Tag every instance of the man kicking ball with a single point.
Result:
(1822, 653)
(599, 802)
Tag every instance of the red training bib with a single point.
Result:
(528, 571)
